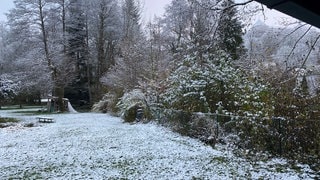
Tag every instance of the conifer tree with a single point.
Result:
(230, 31)
(131, 20)
(78, 91)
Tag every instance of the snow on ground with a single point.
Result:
(98, 146)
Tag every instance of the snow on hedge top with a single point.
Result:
(98, 146)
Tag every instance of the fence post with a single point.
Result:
(278, 127)
(217, 123)
(280, 137)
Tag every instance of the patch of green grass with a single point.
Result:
(12, 107)
(35, 112)
(31, 175)
(8, 120)
(296, 168)
(219, 159)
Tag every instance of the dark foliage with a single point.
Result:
(195, 125)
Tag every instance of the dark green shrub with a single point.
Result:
(29, 125)
(8, 120)
(5, 121)
(178, 121)
(203, 127)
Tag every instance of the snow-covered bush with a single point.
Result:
(199, 87)
(106, 104)
(215, 85)
(129, 104)
(8, 88)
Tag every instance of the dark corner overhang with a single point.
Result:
(304, 10)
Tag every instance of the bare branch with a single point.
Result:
(214, 8)
(310, 50)
(238, 4)
(296, 43)
(296, 29)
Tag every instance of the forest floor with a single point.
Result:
(99, 146)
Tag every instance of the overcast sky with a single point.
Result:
(154, 7)
(5, 5)
(150, 7)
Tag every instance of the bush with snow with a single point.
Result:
(106, 104)
(130, 103)
(212, 84)
(199, 87)
(8, 88)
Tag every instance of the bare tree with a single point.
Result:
(104, 25)
(41, 26)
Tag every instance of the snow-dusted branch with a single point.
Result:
(310, 50)
(217, 7)
(295, 44)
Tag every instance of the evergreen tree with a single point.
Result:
(230, 31)
(131, 20)
(78, 91)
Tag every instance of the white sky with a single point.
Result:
(150, 7)
(154, 7)
(270, 17)
(5, 6)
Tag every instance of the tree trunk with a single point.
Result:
(59, 91)
(44, 36)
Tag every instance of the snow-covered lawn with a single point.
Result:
(99, 146)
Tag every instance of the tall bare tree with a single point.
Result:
(104, 21)
(41, 25)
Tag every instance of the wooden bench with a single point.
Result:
(45, 119)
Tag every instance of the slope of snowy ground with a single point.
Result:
(98, 146)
